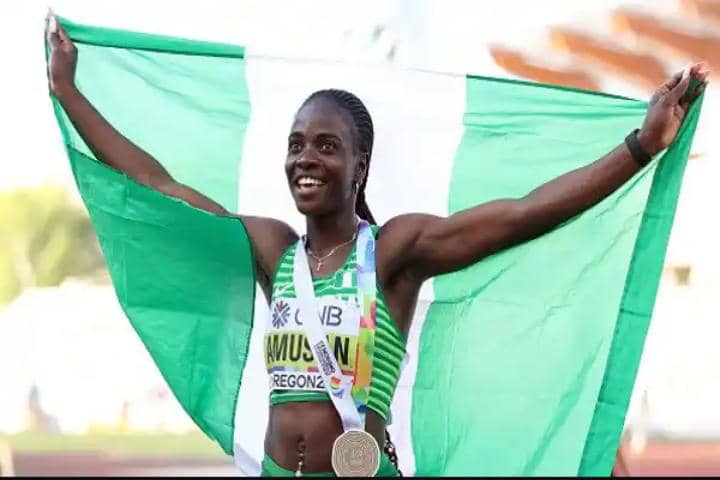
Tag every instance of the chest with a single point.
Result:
(337, 316)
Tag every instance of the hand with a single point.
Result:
(667, 109)
(63, 57)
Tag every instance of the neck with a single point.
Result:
(327, 231)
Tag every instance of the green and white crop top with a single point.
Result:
(288, 357)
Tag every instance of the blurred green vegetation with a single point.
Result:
(193, 444)
(45, 238)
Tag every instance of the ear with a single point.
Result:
(362, 167)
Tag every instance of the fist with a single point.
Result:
(62, 59)
(667, 108)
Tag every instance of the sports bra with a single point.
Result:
(287, 350)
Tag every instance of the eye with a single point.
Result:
(294, 147)
(328, 147)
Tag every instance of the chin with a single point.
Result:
(314, 207)
(309, 207)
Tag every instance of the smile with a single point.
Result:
(306, 184)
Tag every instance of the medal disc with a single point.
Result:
(355, 453)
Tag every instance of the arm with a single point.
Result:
(109, 145)
(269, 237)
(428, 245)
(115, 150)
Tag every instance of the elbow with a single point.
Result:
(158, 181)
(519, 215)
(524, 222)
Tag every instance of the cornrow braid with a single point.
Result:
(365, 134)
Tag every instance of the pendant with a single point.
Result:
(355, 453)
(318, 266)
(301, 460)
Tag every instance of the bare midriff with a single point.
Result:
(311, 428)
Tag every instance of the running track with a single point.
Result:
(658, 459)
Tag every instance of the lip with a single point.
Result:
(307, 190)
(298, 176)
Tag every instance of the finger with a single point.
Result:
(663, 89)
(685, 102)
(700, 67)
(699, 91)
(679, 90)
(703, 75)
(701, 72)
(51, 32)
(657, 95)
(672, 81)
(63, 34)
(52, 21)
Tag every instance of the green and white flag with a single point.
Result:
(522, 364)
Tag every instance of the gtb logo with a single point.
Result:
(280, 314)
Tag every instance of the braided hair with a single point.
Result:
(364, 136)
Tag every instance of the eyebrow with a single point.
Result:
(331, 136)
(321, 135)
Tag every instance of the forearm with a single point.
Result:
(574, 192)
(109, 145)
(442, 245)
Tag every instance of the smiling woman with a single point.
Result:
(476, 399)
(337, 125)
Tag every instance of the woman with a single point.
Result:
(329, 152)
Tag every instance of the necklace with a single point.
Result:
(321, 260)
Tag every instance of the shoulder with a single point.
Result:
(269, 233)
(270, 239)
(397, 241)
(270, 226)
(405, 229)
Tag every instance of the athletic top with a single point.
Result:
(287, 349)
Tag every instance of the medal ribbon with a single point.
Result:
(349, 394)
(367, 301)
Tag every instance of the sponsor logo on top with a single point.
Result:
(280, 314)
(336, 316)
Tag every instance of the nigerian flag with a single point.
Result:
(521, 364)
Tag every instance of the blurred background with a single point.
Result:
(79, 395)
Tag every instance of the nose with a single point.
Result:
(307, 159)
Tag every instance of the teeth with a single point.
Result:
(307, 181)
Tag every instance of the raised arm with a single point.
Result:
(269, 237)
(108, 145)
(426, 245)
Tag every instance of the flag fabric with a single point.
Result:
(521, 364)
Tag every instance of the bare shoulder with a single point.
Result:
(270, 238)
(266, 226)
(397, 240)
(405, 227)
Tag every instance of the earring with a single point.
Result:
(355, 186)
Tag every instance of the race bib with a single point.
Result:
(288, 356)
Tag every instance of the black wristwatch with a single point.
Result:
(636, 150)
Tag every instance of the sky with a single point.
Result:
(440, 35)
(444, 35)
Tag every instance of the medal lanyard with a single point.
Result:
(343, 388)
(367, 291)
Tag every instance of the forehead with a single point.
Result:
(323, 116)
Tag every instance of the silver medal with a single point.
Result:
(355, 453)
